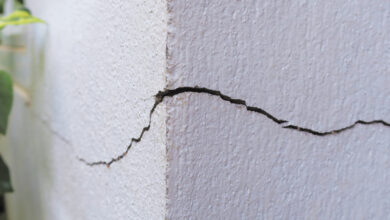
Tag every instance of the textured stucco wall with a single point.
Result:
(318, 64)
(103, 62)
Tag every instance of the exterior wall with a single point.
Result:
(103, 62)
(93, 71)
(318, 64)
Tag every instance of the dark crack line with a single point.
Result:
(159, 98)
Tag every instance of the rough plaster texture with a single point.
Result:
(318, 64)
(103, 62)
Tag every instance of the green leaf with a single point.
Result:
(5, 179)
(19, 17)
(2, 2)
(6, 96)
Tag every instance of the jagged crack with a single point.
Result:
(159, 98)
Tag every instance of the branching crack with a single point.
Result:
(159, 98)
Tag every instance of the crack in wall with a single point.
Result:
(47, 125)
(159, 98)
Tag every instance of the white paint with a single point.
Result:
(104, 60)
(318, 64)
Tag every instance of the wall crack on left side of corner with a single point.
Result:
(159, 98)
(47, 125)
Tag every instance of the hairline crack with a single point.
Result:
(159, 98)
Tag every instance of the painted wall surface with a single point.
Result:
(96, 66)
(102, 63)
(318, 64)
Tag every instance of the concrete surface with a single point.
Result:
(103, 62)
(321, 65)
(318, 64)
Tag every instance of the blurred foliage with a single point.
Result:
(5, 180)
(19, 17)
(6, 96)
(18, 4)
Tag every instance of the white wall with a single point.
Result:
(103, 62)
(317, 64)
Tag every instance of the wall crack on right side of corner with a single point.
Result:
(159, 98)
